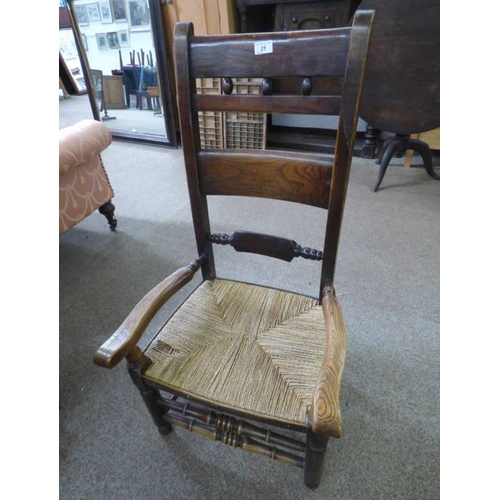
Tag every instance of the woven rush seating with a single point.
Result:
(243, 346)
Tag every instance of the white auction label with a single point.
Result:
(263, 47)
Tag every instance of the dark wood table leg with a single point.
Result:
(390, 147)
(370, 143)
(426, 154)
(399, 144)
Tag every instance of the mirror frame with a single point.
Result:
(158, 33)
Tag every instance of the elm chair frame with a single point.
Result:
(324, 69)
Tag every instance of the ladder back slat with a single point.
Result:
(298, 177)
(310, 54)
(269, 104)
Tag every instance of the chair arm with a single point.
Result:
(325, 410)
(124, 340)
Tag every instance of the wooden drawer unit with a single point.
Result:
(311, 15)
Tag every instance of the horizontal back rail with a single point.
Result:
(295, 104)
(298, 177)
(316, 53)
(266, 244)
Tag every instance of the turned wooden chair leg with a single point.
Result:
(108, 210)
(315, 456)
(150, 396)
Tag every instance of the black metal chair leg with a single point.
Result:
(384, 163)
(426, 154)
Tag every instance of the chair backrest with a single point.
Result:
(148, 78)
(303, 72)
(132, 75)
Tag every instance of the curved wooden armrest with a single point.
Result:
(325, 410)
(124, 340)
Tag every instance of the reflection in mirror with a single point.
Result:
(70, 60)
(119, 45)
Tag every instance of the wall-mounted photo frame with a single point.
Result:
(94, 12)
(81, 14)
(113, 41)
(124, 37)
(119, 10)
(106, 14)
(102, 41)
(139, 14)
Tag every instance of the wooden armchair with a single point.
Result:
(237, 360)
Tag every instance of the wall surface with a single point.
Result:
(107, 58)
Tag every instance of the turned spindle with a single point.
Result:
(306, 86)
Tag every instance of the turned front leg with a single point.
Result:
(315, 457)
(137, 364)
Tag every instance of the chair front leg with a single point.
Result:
(316, 445)
(137, 364)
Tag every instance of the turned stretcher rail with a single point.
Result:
(231, 424)
(233, 439)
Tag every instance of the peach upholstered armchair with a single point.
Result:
(83, 183)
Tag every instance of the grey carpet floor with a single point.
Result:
(387, 282)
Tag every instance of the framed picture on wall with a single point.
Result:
(124, 37)
(113, 40)
(81, 14)
(119, 11)
(106, 15)
(93, 12)
(102, 41)
(139, 14)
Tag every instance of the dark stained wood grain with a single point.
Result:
(344, 141)
(402, 81)
(190, 136)
(326, 105)
(299, 177)
(311, 54)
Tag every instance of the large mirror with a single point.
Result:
(123, 46)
